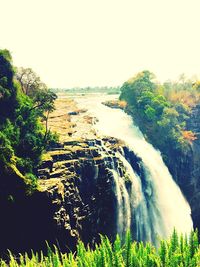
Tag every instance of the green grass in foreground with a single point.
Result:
(178, 251)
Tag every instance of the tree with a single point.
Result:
(43, 99)
(30, 82)
(136, 86)
(8, 91)
(44, 103)
(160, 119)
(23, 137)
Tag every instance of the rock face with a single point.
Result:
(185, 167)
(75, 199)
(80, 187)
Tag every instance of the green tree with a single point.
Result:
(8, 90)
(162, 121)
(135, 87)
(23, 137)
(43, 98)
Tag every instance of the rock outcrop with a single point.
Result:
(74, 200)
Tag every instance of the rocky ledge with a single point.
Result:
(115, 104)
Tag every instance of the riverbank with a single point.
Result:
(69, 121)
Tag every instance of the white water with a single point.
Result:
(157, 205)
(123, 204)
(138, 205)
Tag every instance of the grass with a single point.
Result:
(178, 251)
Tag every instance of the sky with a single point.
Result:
(78, 43)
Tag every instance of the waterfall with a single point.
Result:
(123, 205)
(154, 205)
(121, 193)
(138, 205)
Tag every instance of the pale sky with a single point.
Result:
(102, 42)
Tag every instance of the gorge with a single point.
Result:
(153, 212)
(105, 184)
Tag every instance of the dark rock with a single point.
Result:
(61, 156)
(73, 113)
(73, 201)
(47, 164)
(43, 173)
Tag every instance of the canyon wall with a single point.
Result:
(185, 167)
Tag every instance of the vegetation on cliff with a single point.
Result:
(22, 134)
(161, 110)
(177, 252)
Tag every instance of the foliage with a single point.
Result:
(184, 91)
(161, 111)
(189, 135)
(31, 85)
(8, 92)
(6, 150)
(179, 251)
(30, 82)
(23, 107)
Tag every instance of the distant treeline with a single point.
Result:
(86, 90)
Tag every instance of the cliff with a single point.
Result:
(75, 198)
(185, 167)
